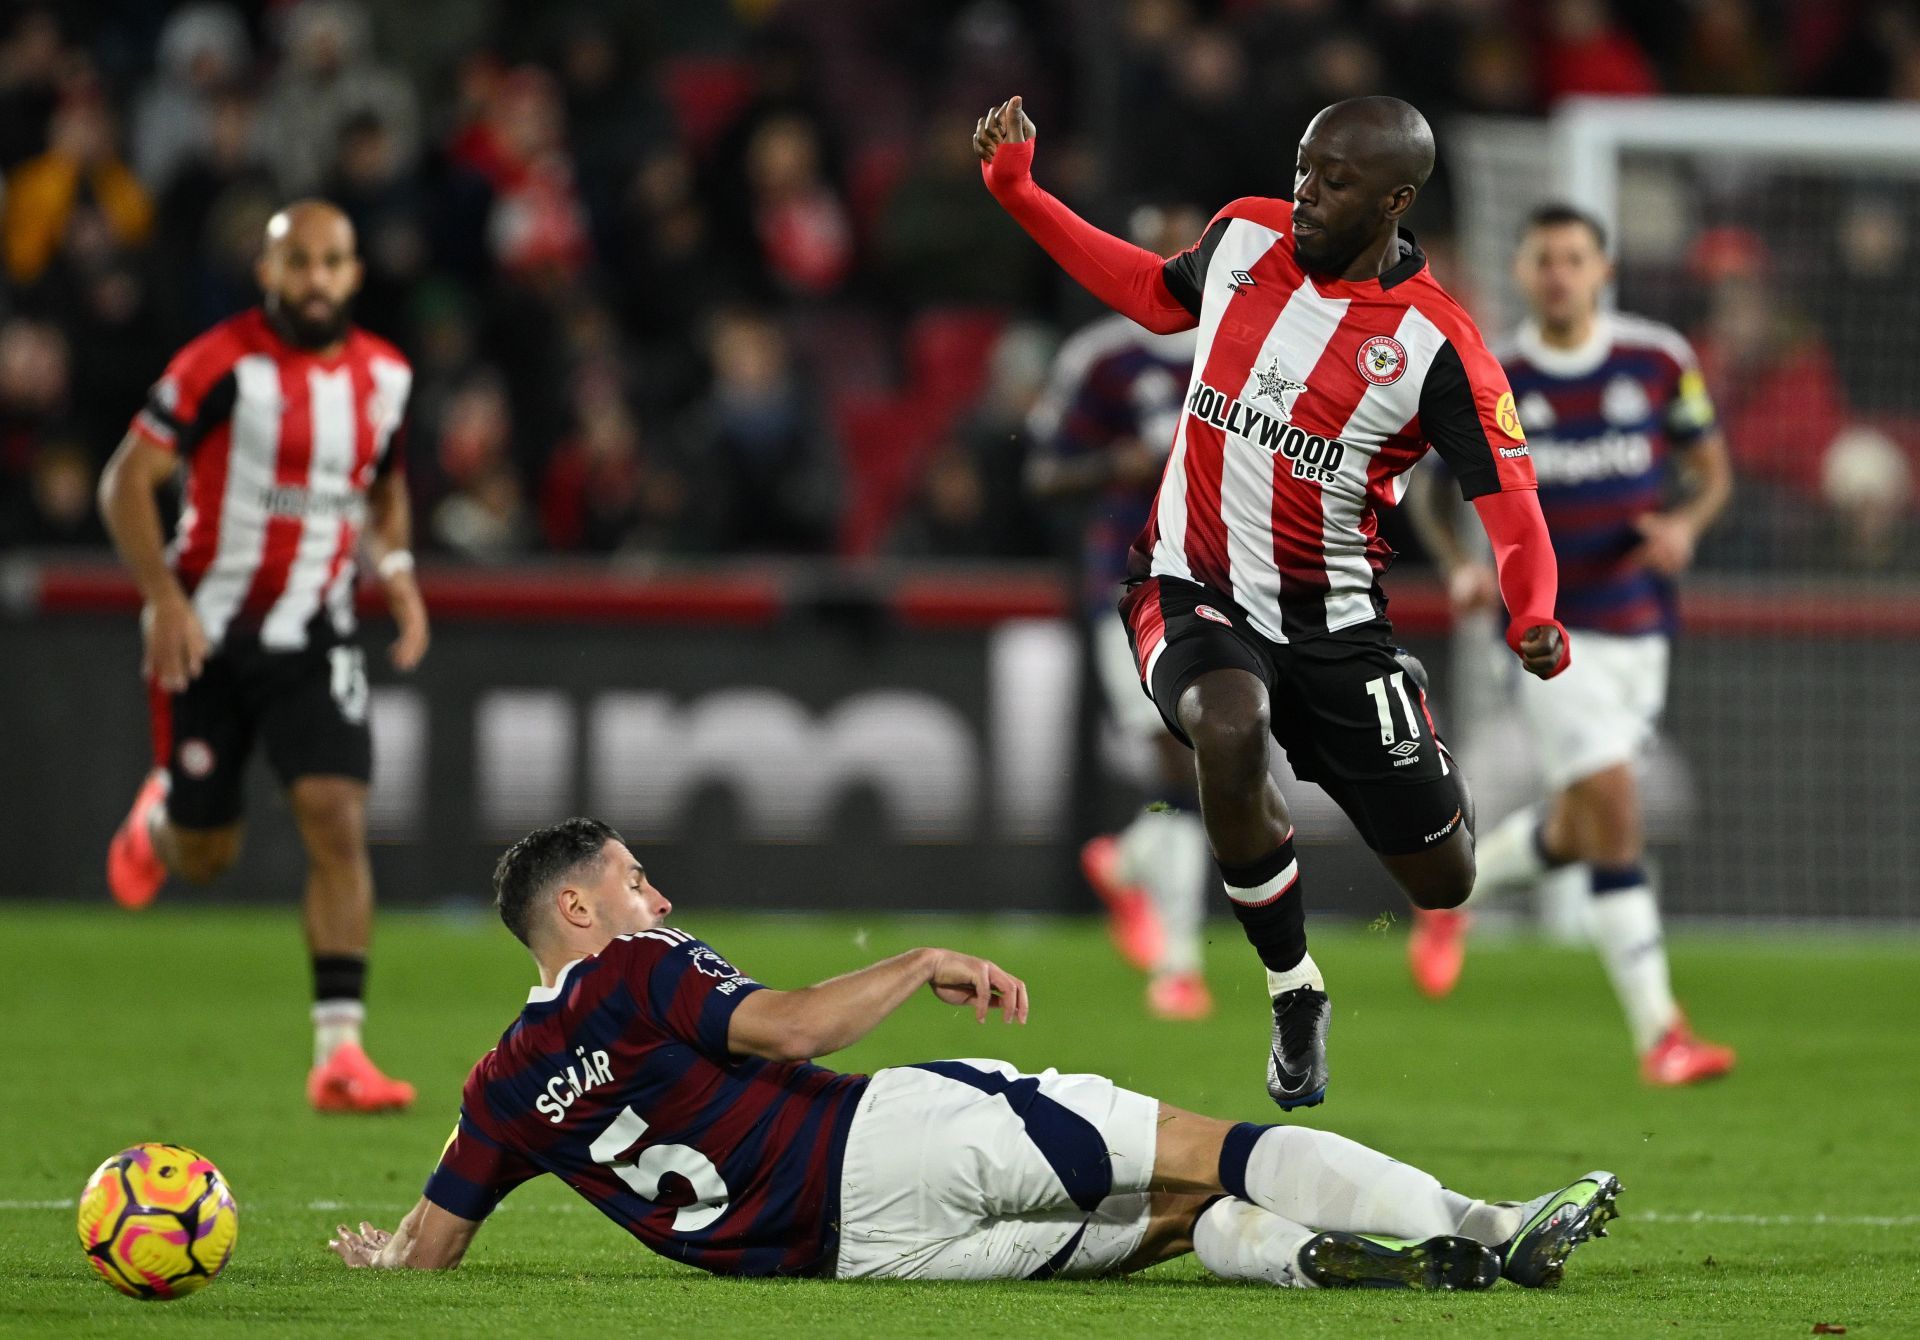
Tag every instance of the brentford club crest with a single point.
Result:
(1382, 360)
(196, 758)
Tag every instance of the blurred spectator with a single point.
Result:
(972, 501)
(1586, 51)
(485, 520)
(1726, 53)
(79, 175)
(671, 269)
(1868, 292)
(943, 240)
(804, 234)
(327, 77)
(1201, 142)
(224, 174)
(34, 62)
(384, 204)
(204, 52)
(482, 515)
(1867, 481)
(603, 491)
(1773, 381)
(535, 225)
(34, 392)
(611, 110)
(58, 500)
(764, 470)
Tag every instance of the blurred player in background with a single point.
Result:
(284, 422)
(1328, 362)
(679, 1097)
(1102, 430)
(1632, 471)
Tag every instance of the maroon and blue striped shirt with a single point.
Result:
(1603, 422)
(618, 1081)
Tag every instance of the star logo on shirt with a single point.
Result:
(1281, 390)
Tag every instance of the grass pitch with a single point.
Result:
(1784, 1197)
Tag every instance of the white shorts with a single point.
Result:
(1600, 711)
(970, 1170)
(1120, 679)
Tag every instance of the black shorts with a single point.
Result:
(1347, 706)
(309, 709)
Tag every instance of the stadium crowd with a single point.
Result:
(720, 277)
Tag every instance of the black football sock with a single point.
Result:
(339, 986)
(1266, 899)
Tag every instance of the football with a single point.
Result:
(158, 1221)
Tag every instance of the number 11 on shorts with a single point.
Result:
(1384, 706)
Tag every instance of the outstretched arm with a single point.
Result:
(1529, 578)
(1125, 277)
(816, 1020)
(429, 1238)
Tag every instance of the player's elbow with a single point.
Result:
(778, 1026)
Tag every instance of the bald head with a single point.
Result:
(1361, 163)
(309, 271)
(1383, 133)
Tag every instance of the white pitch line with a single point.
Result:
(1776, 1220)
(1630, 1216)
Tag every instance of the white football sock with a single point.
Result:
(1339, 1185)
(1178, 883)
(1238, 1241)
(1626, 931)
(1480, 1220)
(335, 1023)
(1508, 857)
(1304, 973)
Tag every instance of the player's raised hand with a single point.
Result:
(359, 1250)
(410, 614)
(1666, 543)
(174, 644)
(962, 979)
(1542, 649)
(1007, 123)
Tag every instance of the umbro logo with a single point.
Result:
(1406, 748)
(1241, 279)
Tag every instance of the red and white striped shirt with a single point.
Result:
(1310, 399)
(280, 447)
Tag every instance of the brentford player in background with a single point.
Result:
(284, 423)
(1327, 362)
(1633, 469)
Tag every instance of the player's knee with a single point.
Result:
(1444, 880)
(202, 856)
(332, 818)
(1229, 737)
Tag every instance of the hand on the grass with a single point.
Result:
(363, 1249)
(962, 979)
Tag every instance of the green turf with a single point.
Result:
(190, 1026)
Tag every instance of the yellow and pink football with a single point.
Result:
(158, 1221)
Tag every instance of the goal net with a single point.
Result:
(1784, 240)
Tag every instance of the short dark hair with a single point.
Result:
(1557, 214)
(537, 861)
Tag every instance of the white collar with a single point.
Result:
(540, 995)
(1576, 362)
